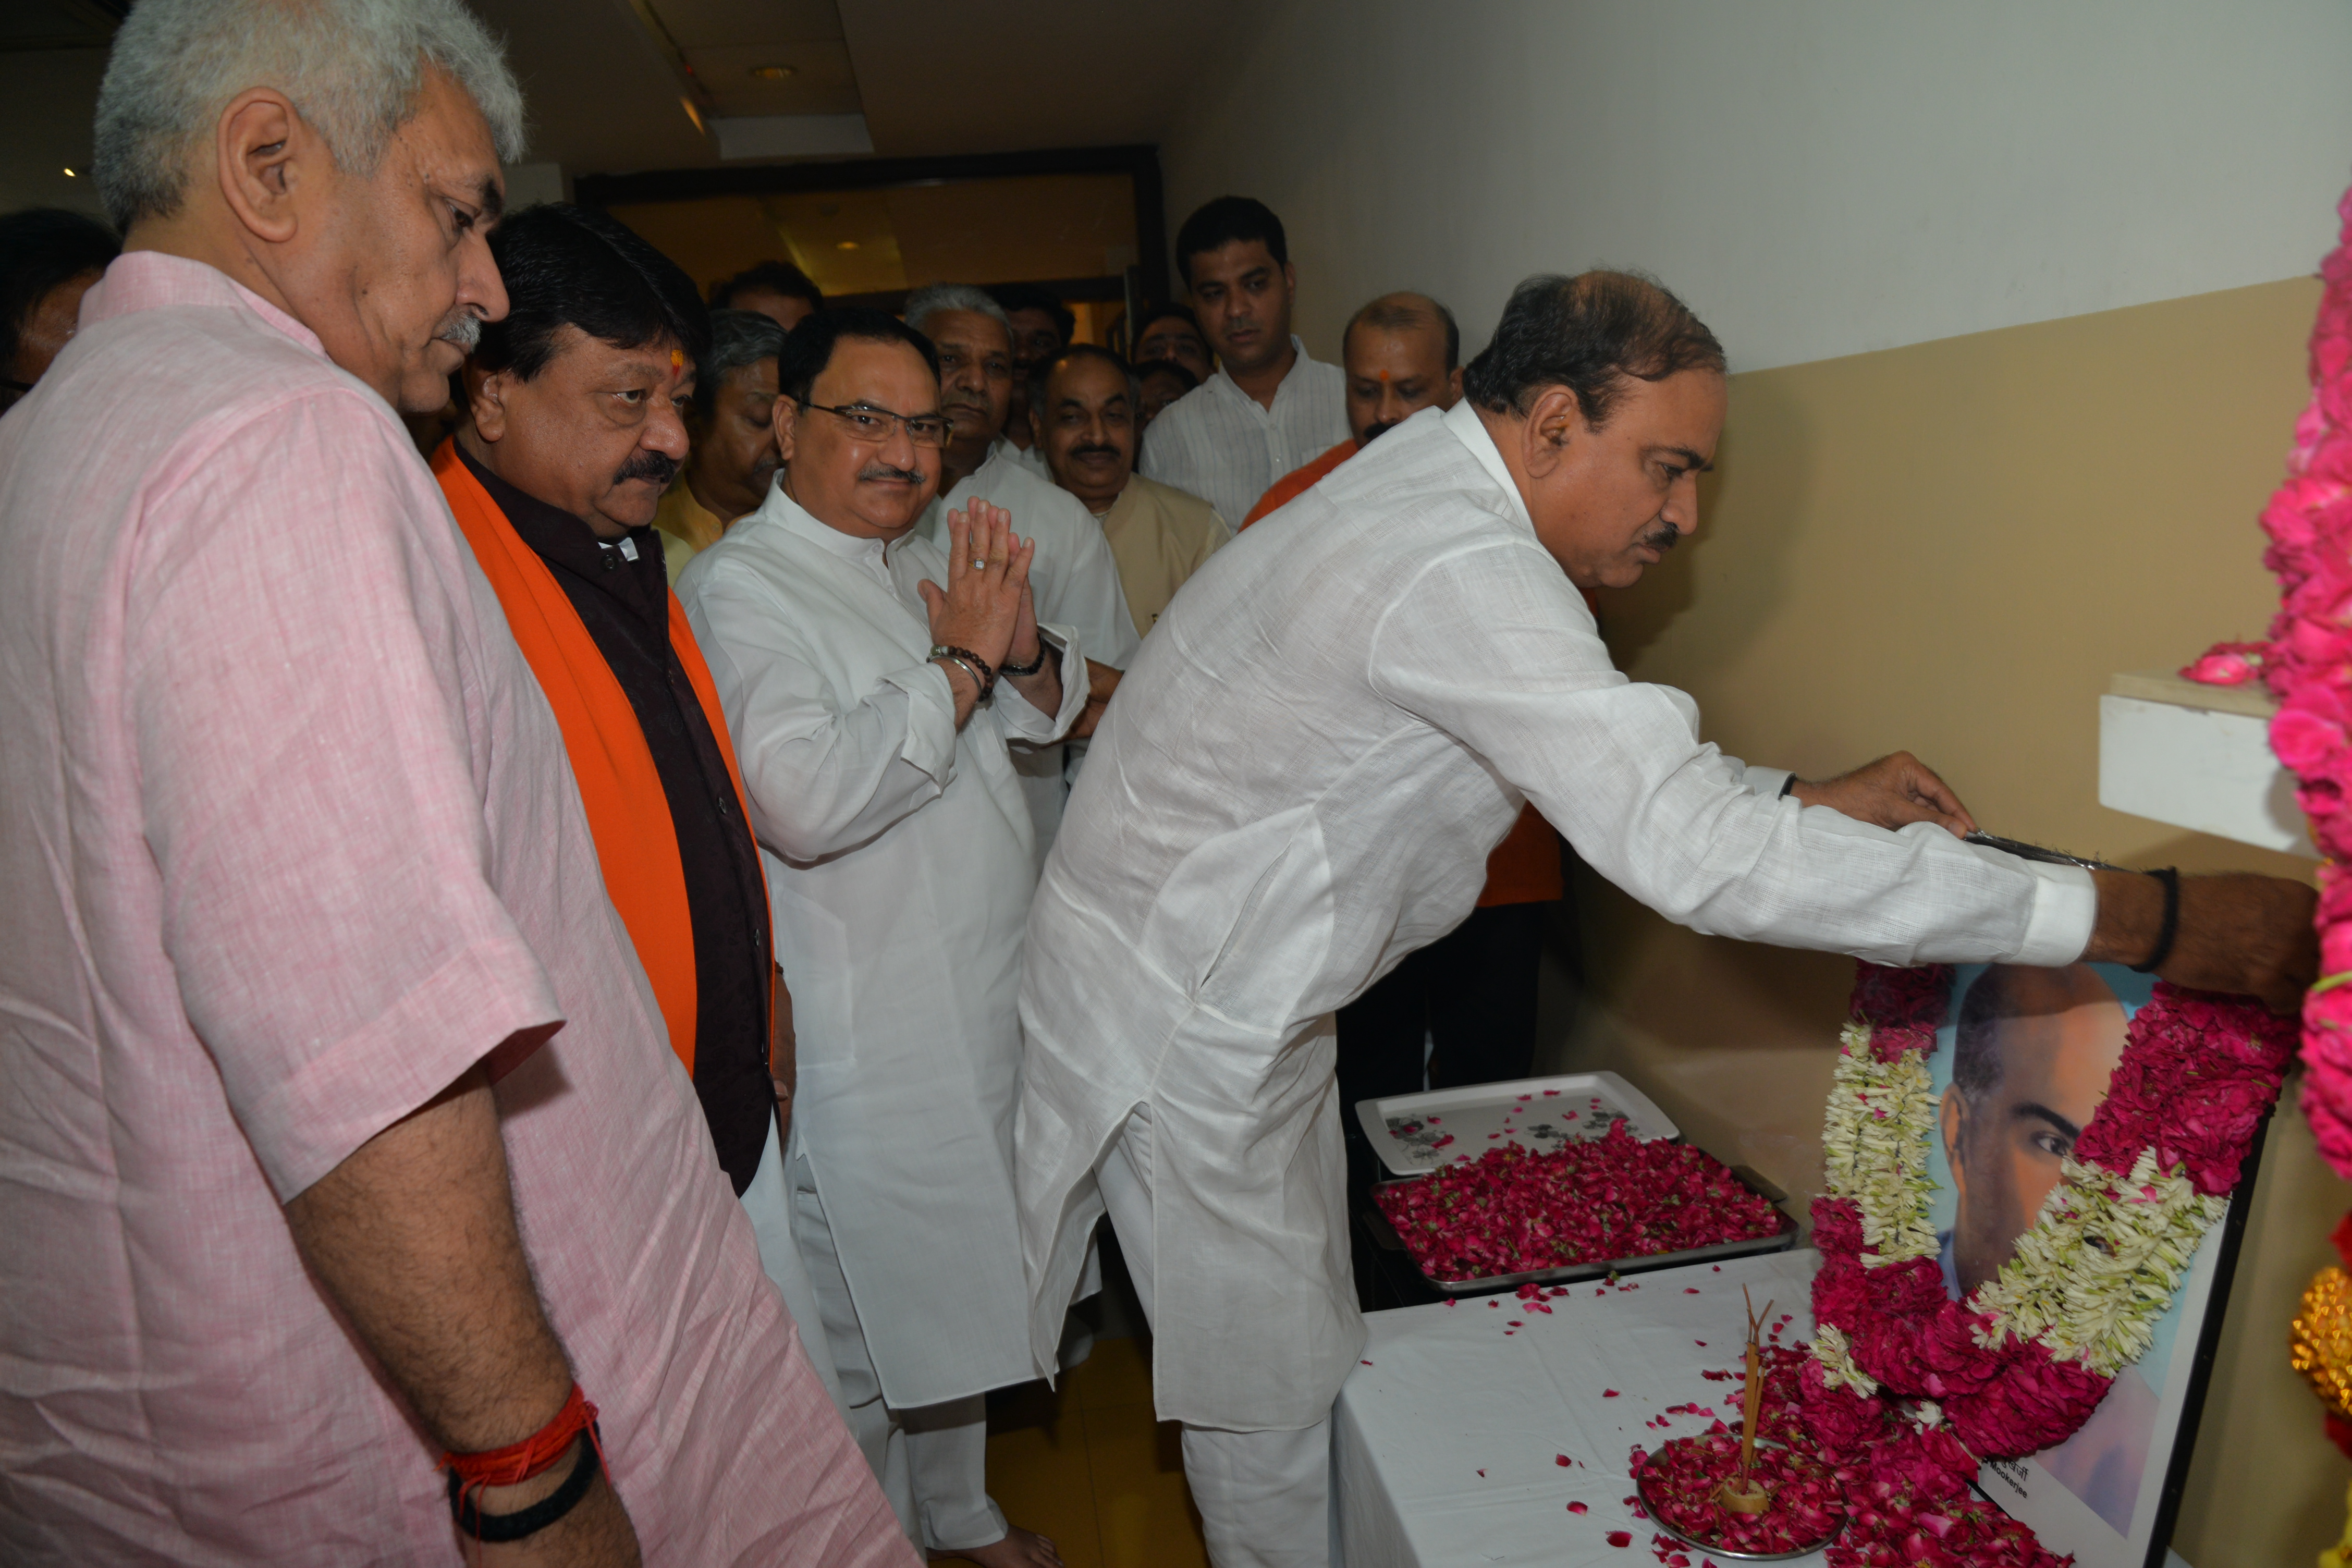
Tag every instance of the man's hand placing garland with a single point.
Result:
(1894, 791)
(2236, 933)
(2239, 933)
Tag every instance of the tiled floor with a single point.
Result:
(1087, 1465)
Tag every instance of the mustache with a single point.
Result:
(1665, 537)
(964, 399)
(1375, 432)
(461, 327)
(1095, 452)
(885, 473)
(659, 467)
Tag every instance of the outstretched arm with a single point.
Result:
(2237, 932)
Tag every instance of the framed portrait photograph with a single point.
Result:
(2023, 1058)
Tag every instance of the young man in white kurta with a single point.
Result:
(1299, 783)
(899, 861)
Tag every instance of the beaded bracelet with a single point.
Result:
(1032, 667)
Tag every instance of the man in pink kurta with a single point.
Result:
(290, 843)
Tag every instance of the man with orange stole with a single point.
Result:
(574, 428)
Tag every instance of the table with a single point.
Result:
(1444, 1443)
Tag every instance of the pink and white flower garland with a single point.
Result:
(1907, 1389)
(2308, 665)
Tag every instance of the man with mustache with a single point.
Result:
(1401, 353)
(356, 1208)
(1074, 578)
(1269, 407)
(1084, 406)
(1299, 785)
(872, 681)
(732, 438)
(574, 426)
(1167, 334)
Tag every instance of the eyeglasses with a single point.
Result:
(868, 423)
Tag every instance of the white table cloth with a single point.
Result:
(1445, 1442)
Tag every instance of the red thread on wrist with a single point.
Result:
(535, 1455)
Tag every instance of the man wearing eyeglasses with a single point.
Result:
(872, 680)
(1076, 576)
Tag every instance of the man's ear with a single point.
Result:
(263, 152)
(1551, 423)
(485, 401)
(1289, 280)
(786, 418)
(1453, 386)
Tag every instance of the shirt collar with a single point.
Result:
(154, 280)
(1471, 431)
(1233, 387)
(796, 518)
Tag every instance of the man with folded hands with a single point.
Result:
(872, 682)
(349, 1171)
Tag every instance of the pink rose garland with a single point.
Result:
(2308, 665)
(2197, 1076)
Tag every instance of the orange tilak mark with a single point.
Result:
(1384, 378)
(677, 361)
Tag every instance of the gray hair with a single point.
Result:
(354, 68)
(932, 297)
(738, 338)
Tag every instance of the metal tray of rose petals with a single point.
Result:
(1414, 1133)
(1647, 1481)
(1385, 1234)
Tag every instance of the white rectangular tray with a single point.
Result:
(1409, 1132)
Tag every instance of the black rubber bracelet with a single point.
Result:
(2170, 878)
(496, 1528)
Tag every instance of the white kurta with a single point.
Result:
(1221, 444)
(1074, 580)
(900, 865)
(1298, 783)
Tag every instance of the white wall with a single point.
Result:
(1816, 177)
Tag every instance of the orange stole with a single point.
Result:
(618, 782)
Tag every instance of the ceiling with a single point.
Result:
(605, 79)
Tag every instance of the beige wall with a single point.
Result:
(1949, 547)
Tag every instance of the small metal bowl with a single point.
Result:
(1649, 1506)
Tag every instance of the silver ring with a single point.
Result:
(980, 565)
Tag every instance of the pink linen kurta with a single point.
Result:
(288, 840)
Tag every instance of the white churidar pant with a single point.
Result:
(1265, 1497)
(768, 1202)
(933, 1461)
